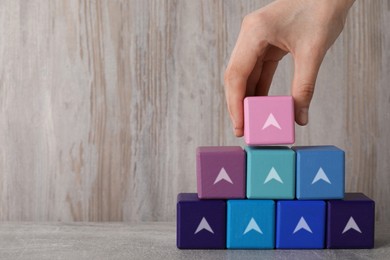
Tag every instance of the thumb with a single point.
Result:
(306, 68)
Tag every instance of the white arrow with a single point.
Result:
(204, 225)
(302, 224)
(252, 225)
(273, 175)
(271, 120)
(321, 176)
(351, 225)
(222, 175)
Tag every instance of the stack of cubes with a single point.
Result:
(266, 197)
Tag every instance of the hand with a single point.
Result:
(304, 28)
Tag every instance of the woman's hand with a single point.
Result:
(304, 28)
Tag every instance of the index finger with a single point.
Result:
(249, 48)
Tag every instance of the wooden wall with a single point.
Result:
(103, 103)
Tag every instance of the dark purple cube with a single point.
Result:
(351, 222)
(201, 224)
(221, 172)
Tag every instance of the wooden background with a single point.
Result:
(103, 103)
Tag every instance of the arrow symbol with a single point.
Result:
(321, 176)
(252, 225)
(302, 224)
(203, 225)
(271, 120)
(351, 225)
(222, 175)
(273, 175)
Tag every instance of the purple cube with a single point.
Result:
(221, 172)
(351, 222)
(201, 224)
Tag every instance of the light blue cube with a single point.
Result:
(270, 173)
(250, 224)
(320, 172)
(300, 224)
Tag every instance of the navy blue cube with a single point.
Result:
(300, 224)
(351, 222)
(201, 224)
(320, 172)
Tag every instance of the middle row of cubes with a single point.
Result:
(301, 172)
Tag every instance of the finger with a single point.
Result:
(271, 60)
(245, 56)
(266, 77)
(254, 78)
(235, 104)
(236, 111)
(306, 69)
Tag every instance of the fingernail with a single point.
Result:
(237, 131)
(304, 116)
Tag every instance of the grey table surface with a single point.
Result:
(144, 241)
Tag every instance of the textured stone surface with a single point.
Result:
(103, 103)
(144, 241)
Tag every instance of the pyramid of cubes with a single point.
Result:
(266, 197)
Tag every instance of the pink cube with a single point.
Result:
(269, 120)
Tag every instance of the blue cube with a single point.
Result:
(270, 173)
(300, 224)
(320, 172)
(250, 224)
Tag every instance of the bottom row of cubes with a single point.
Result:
(268, 224)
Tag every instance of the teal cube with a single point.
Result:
(250, 224)
(270, 173)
